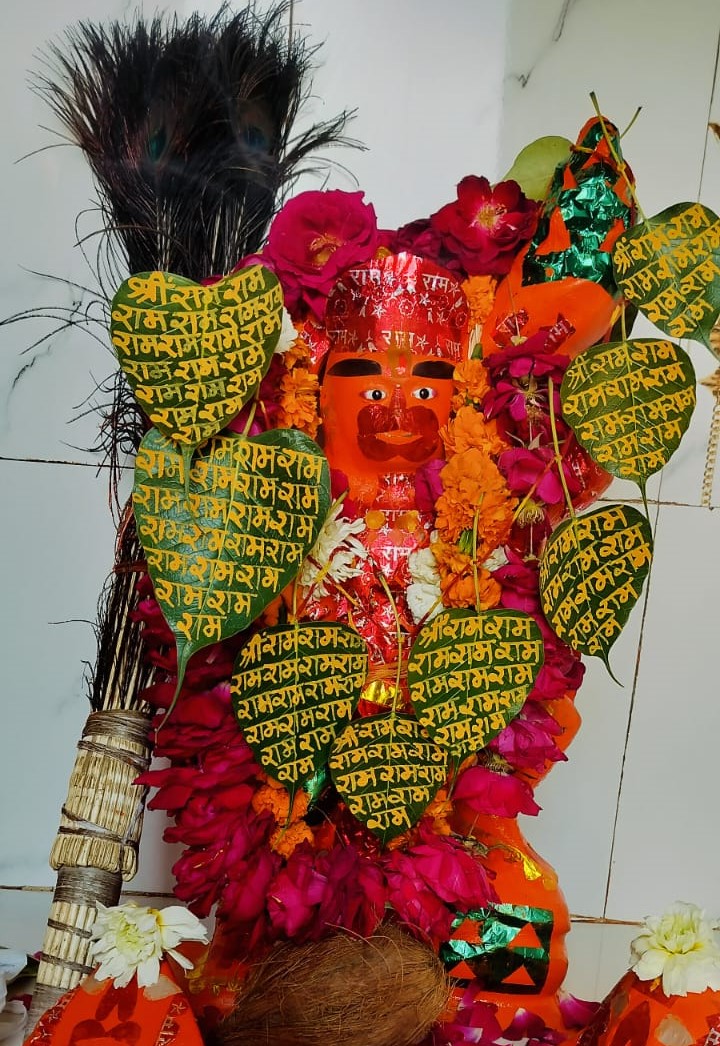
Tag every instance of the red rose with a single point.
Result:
(485, 227)
(313, 239)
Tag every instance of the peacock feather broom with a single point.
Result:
(187, 128)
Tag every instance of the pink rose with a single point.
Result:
(536, 471)
(527, 742)
(416, 904)
(500, 795)
(576, 1013)
(430, 881)
(313, 239)
(355, 892)
(428, 485)
(296, 893)
(532, 1030)
(485, 227)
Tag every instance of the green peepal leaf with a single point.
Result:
(669, 267)
(222, 542)
(591, 575)
(294, 688)
(387, 770)
(535, 165)
(629, 404)
(470, 673)
(194, 355)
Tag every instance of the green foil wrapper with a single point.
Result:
(495, 956)
(589, 211)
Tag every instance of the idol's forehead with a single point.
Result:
(397, 364)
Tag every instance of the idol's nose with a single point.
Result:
(398, 407)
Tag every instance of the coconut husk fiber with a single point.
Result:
(386, 990)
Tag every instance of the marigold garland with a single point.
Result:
(310, 868)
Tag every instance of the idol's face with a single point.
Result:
(382, 414)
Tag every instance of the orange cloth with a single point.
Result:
(97, 1013)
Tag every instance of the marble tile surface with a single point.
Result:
(56, 549)
(427, 91)
(664, 844)
(627, 821)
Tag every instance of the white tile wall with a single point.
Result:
(628, 825)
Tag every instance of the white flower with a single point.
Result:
(423, 594)
(679, 946)
(336, 549)
(132, 939)
(288, 334)
(496, 559)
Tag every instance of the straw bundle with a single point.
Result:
(101, 820)
(102, 816)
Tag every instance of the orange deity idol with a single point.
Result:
(397, 328)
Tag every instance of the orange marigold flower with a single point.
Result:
(457, 581)
(273, 797)
(284, 840)
(472, 383)
(299, 351)
(299, 401)
(460, 592)
(480, 293)
(438, 811)
(470, 429)
(473, 484)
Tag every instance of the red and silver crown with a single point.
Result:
(398, 300)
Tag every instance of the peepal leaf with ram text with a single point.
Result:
(591, 575)
(629, 404)
(294, 688)
(194, 355)
(470, 673)
(669, 267)
(222, 542)
(387, 769)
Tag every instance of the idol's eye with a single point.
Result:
(424, 393)
(374, 394)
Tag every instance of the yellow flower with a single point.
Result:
(130, 939)
(680, 947)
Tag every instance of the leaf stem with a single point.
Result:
(556, 449)
(476, 581)
(398, 636)
(250, 419)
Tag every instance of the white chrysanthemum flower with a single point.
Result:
(681, 948)
(423, 595)
(288, 334)
(130, 939)
(496, 559)
(335, 556)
